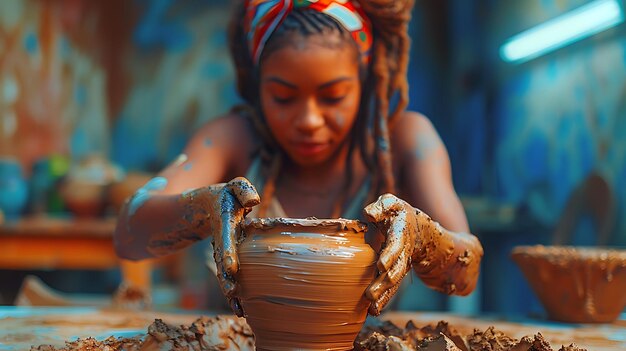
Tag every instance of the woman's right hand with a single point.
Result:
(230, 203)
(157, 222)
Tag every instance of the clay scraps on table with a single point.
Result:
(217, 333)
(232, 333)
(384, 336)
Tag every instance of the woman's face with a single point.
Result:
(310, 95)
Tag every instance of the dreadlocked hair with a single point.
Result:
(383, 81)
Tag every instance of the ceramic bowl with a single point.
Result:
(576, 284)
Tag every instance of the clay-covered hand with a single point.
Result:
(232, 202)
(395, 219)
(446, 261)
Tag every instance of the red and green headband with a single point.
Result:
(264, 16)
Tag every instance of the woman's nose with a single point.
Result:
(310, 118)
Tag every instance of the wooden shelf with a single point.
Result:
(43, 243)
(58, 243)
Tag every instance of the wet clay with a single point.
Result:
(130, 297)
(217, 333)
(442, 337)
(388, 336)
(110, 344)
(302, 282)
(582, 285)
(232, 333)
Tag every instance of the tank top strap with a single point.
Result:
(355, 207)
(253, 174)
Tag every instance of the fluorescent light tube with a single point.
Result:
(566, 29)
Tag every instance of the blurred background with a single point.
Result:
(96, 96)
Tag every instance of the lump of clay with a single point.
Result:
(88, 344)
(218, 333)
(388, 336)
(571, 347)
(491, 339)
(128, 297)
(440, 343)
(232, 333)
(385, 336)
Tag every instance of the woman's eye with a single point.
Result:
(283, 100)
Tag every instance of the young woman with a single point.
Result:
(323, 133)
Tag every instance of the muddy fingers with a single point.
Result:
(399, 270)
(228, 286)
(395, 219)
(377, 306)
(388, 279)
(395, 243)
(380, 210)
(231, 217)
(244, 192)
(234, 200)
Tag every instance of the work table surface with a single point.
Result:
(21, 327)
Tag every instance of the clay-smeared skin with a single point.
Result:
(302, 282)
(580, 285)
(216, 211)
(445, 261)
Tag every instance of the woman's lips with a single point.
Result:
(310, 148)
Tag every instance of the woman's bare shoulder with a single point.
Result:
(234, 136)
(411, 132)
(409, 122)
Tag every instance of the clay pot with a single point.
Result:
(121, 190)
(83, 199)
(574, 284)
(85, 189)
(302, 282)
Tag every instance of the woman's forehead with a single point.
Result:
(311, 58)
(330, 44)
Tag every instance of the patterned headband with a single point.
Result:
(264, 16)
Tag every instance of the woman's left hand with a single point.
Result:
(446, 261)
(395, 219)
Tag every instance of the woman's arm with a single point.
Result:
(447, 258)
(446, 261)
(154, 224)
(169, 212)
(425, 175)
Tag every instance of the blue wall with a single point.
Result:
(181, 76)
(526, 134)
